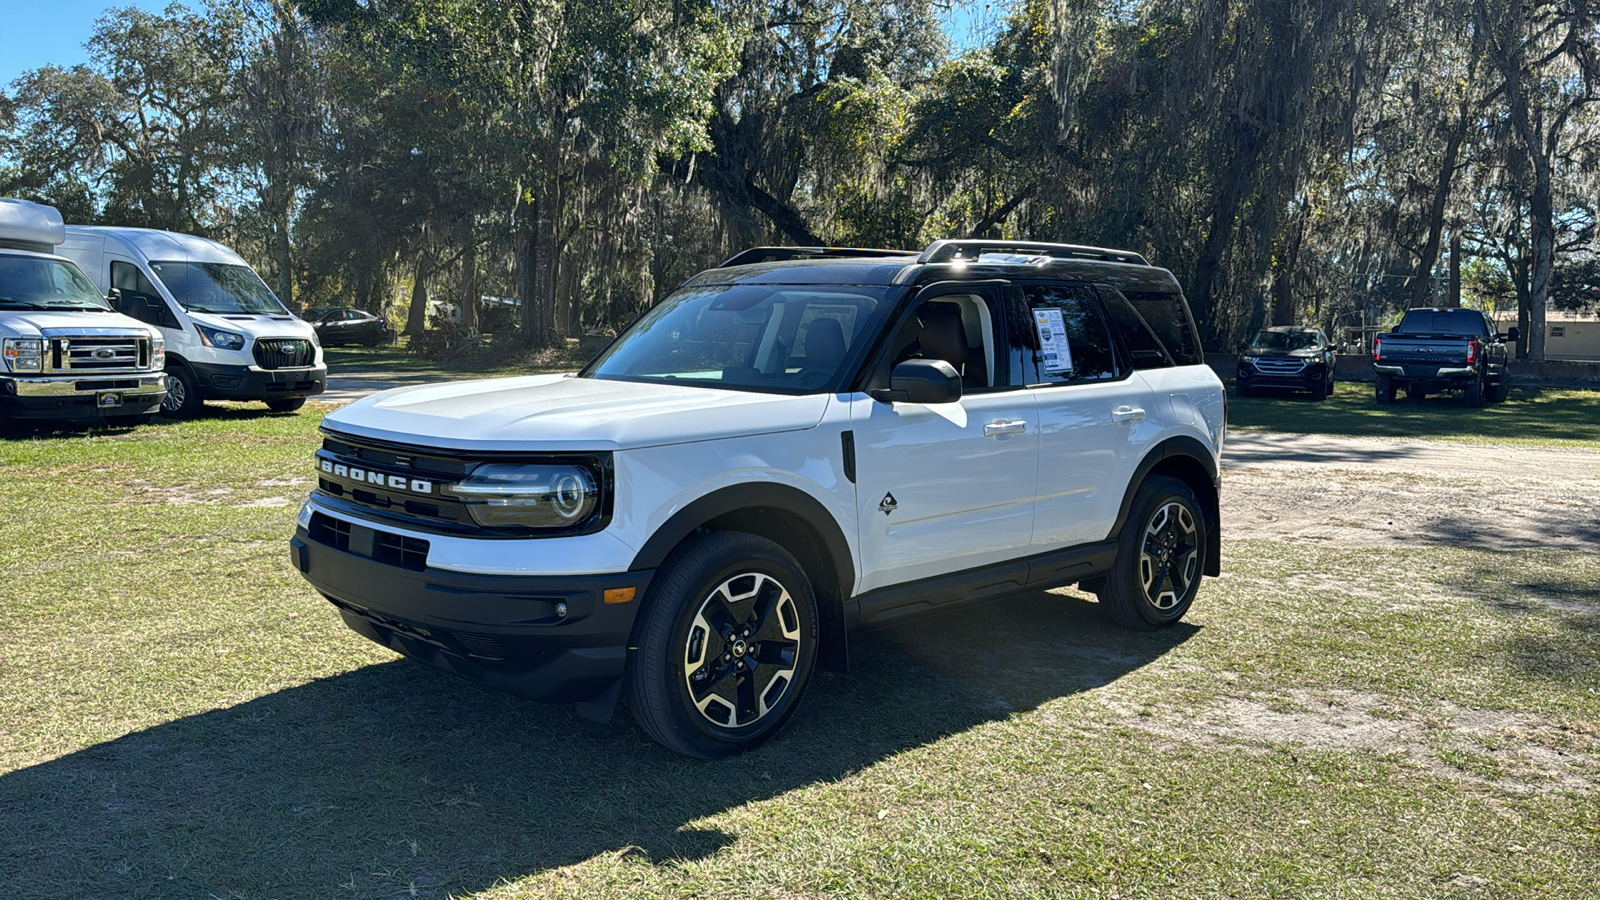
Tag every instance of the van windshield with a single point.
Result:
(29, 282)
(218, 288)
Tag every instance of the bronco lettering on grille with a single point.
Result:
(380, 479)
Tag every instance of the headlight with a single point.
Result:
(24, 354)
(222, 340)
(158, 352)
(529, 496)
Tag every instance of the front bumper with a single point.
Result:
(225, 382)
(82, 397)
(1309, 378)
(504, 631)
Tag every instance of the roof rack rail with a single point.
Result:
(779, 254)
(949, 251)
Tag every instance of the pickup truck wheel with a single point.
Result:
(1497, 390)
(1472, 394)
(1159, 557)
(1385, 389)
(726, 646)
(183, 394)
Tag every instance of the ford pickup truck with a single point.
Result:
(1444, 349)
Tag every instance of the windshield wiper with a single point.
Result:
(21, 304)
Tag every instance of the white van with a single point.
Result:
(65, 354)
(228, 337)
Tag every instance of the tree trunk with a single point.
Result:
(417, 317)
(1283, 278)
(527, 284)
(1441, 197)
(469, 280)
(1453, 298)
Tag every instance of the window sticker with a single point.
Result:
(1053, 347)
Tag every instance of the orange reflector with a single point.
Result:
(620, 595)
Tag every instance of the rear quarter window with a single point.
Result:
(1167, 315)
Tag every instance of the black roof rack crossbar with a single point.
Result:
(948, 251)
(779, 254)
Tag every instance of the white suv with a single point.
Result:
(797, 444)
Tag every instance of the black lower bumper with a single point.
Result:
(1310, 379)
(220, 382)
(548, 638)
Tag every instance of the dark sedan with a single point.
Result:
(339, 325)
(1289, 357)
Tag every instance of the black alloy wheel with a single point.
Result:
(726, 645)
(1160, 557)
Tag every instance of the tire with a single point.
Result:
(286, 406)
(1160, 557)
(1497, 391)
(1385, 389)
(705, 693)
(1241, 389)
(129, 421)
(1472, 394)
(1321, 391)
(183, 394)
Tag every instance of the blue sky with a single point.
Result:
(36, 33)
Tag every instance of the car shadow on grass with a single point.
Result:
(395, 779)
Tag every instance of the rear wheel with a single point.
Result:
(726, 646)
(1160, 555)
(1497, 391)
(283, 406)
(183, 394)
(1385, 389)
(1472, 394)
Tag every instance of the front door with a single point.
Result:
(949, 486)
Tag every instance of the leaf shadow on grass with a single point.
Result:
(1563, 645)
(396, 780)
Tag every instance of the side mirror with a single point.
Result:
(1242, 347)
(114, 297)
(1512, 335)
(921, 381)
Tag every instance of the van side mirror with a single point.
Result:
(921, 381)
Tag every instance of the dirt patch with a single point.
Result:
(1518, 751)
(1366, 492)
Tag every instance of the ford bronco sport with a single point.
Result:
(797, 444)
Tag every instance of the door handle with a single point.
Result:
(1001, 426)
(1127, 414)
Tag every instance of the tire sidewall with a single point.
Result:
(190, 407)
(688, 580)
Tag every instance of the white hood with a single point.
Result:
(32, 323)
(254, 325)
(561, 413)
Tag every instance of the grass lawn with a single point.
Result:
(1545, 417)
(181, 716)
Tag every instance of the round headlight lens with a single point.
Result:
(529, 496)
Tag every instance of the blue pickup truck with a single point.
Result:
(1443, 349)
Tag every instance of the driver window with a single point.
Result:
(140, 299)
(957, 329)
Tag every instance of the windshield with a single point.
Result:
(218, 288)
(766, 337)
(1285, 340)
(29, 282)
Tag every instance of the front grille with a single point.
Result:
(99, 353)
(1270, 366)
(430, 465)
(283, 353)
(328, 530)
(399, 550)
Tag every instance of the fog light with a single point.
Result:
(561, 610)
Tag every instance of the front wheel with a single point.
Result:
(1160, 555)
(183, 394)
(725, 647)
(284, 406)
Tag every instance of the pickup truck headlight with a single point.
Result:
(222, 340)
(24, 354)
(554, 495)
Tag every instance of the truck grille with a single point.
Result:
(99, 353)
(283, 353)
(1272, 366)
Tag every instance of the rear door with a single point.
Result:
(1095, 416)
(947, 487)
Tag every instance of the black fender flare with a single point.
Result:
(1191, 449)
